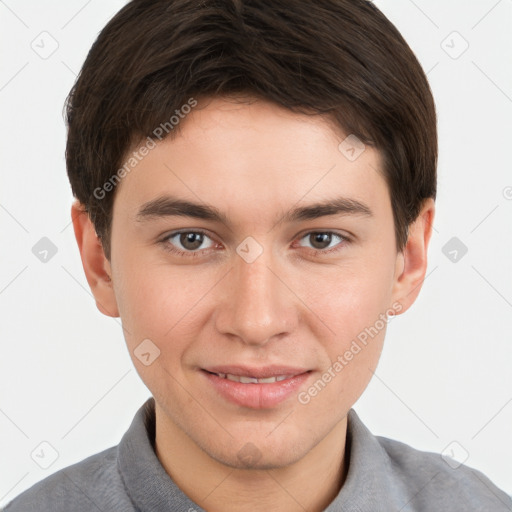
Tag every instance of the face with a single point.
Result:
(253, 281)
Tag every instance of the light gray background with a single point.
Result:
(65, 375)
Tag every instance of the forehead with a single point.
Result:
(255, 154)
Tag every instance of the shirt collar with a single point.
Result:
(152, 489)
(147, 483)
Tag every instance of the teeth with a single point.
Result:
(267, 380)
(248, 380)
(252, 380)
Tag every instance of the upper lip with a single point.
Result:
(258, 373)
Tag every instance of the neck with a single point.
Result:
(310, 484)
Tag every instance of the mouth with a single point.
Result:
(256, 388)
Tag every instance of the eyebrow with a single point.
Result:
(169, 206)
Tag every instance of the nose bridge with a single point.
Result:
(258, 305)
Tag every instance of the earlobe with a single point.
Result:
(412, 262)
(96, 266)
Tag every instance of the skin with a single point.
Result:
(254, 162)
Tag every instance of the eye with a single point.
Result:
(321, 241)
(187, 242)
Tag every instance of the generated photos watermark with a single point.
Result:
(357, 345)
(144, 149)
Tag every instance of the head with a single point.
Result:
(255, 186)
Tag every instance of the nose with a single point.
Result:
(259, 304)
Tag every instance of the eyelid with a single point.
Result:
(343, 234)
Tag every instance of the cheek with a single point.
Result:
(353, 305)
(160, 304)
(348, 299)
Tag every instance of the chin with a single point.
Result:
(264, 461)
(258, 454)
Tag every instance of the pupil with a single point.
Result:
(191, 240)
(322, 238)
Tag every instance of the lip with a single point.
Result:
(256, 395)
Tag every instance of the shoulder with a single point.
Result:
(434, 482)
(92, 484)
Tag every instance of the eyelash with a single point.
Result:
(194, 254)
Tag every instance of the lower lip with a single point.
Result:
(256, 396)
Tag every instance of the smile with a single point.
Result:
(256, 388)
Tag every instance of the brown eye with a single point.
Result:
(324, 241)
(191, 241)
(320, 240)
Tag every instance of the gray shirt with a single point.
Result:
(383, 475)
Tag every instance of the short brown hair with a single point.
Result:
(343, 58)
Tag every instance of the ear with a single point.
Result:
(411, 265)
(96, 265)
